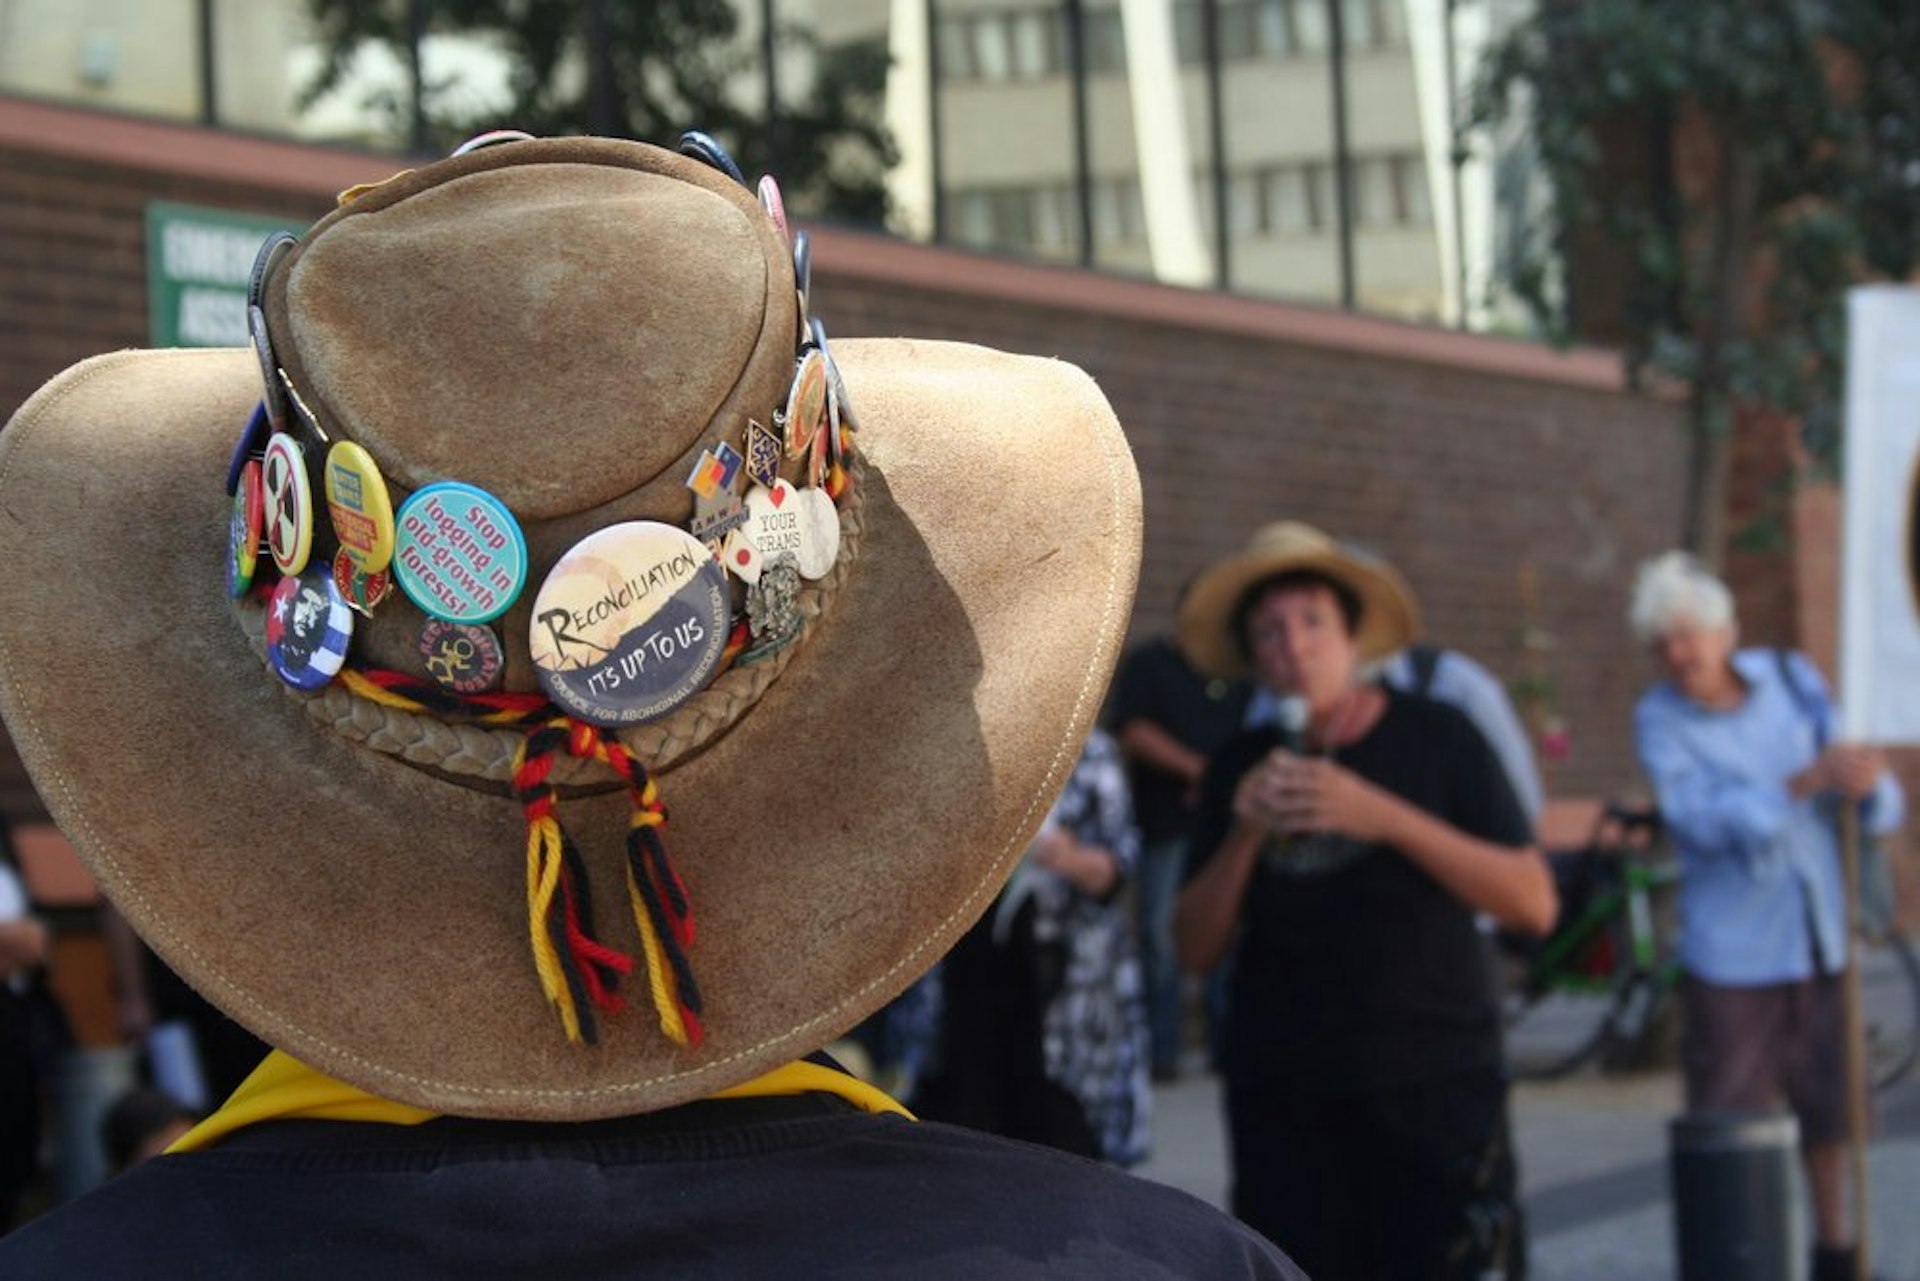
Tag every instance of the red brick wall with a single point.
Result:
(1465, 461)
(1461, 478)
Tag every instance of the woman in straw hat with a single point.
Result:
(567, 394)
(1341, 856)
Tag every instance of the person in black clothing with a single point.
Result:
(1348, 849)
(1168, 719)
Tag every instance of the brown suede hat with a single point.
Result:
(1389, 619)
(573, 327)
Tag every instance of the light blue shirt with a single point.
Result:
(1761, 896)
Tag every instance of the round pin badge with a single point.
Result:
(803, 273)
(357, 500)
(459, 553)
(463, 657)
(309, 628)
(836, 384)
(243, 530)
(272, 250)
(771, 201)
(273, 392)
(491, 138)
(289, 504)
(783, 521)
(630, 623)
(806, 413)
(362, 591)
(708, 151)
(820, 534)
(252, 443)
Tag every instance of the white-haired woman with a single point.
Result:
(1740, 749)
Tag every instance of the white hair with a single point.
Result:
(1675, 589)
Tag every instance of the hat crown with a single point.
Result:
(1288, 537)
(660, 317)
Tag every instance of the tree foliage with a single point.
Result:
(1781, 143)
(668, 66)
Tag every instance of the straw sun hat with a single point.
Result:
(1389, 619)
(560, 359)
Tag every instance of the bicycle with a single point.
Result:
(1599, 984)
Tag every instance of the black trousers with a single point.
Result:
(20, 1091)
(991, 1073)
(1415, 1182)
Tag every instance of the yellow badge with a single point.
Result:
(361, 510)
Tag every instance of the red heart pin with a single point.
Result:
(779, 496)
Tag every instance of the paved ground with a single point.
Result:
(1594, 1169)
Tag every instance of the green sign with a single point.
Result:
(198, 261)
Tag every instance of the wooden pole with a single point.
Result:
(1856, 1055)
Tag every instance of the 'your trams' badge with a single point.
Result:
(631, 623)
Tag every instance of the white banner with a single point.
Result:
(1879, 586)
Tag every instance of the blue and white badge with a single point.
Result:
(459, 553)
(708, 151)
(251, 445)
(309, 628)
(631, 623)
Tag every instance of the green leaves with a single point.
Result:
(1781, 165)
(670, 66)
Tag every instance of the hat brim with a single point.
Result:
(369, 916)
(1389, 620)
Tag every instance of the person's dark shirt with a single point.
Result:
(1365, 973)
(780, 1188)
(1157, 684)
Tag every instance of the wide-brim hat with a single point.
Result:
(573, 327)
(1389, 618)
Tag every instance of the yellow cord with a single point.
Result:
(659, 979)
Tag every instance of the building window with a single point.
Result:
(955, 48)
(1118, 216)
(992, 55)
(1290, 205)
(1035, 52)
(1189, 33)
(1106, 40)
(1373, 201)
(1245, 212)
(1312, 31)
(1360, 29)
(1415, 198)
(1054, 225)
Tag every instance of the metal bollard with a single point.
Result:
(1733, 1196)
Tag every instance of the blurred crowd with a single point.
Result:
(1280, 860)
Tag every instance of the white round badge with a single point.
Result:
(784, 521)
(630, 623)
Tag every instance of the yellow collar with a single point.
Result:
(283, 1088)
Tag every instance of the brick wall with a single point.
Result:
(1465, 478)
(1469, 462)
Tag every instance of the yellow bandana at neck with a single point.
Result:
(283, 1088)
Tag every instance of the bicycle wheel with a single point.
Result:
(1890, 1007)
(1559, 1018)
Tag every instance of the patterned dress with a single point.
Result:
(1094, 1025)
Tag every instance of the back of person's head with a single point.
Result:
(1675, 589)
(844, 613)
